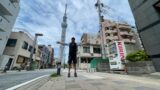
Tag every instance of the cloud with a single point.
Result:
(45, 16)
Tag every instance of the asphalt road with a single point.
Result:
(11, 79)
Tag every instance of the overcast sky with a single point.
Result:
(45, 16)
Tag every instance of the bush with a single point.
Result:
(16, 68)
(54, 75)
(137, 56)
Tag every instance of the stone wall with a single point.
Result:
(145, 67)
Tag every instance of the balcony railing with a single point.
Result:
(111, 31)
(127, 40)
(3, 24)
(124, 27)
(7, 7)
(126, 33)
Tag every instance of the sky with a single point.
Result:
(45, 16)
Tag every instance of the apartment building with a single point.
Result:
(113, 31)
(51, 56)
(45, 59)
(9, 10)
(18, 49)
(147, 17)
(89, 49)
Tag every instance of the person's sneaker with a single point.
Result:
(68, 74)
(75, 74)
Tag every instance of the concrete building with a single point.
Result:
(147, 17)
(9, 10)
(18, 49)
(113, 31)
(51, 56)
(45, 59)
(89, 49)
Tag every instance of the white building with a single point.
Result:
(89, 49)
(9, 10)
(18, 49)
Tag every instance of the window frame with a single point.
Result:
(87, 49)
(97, 50)
(11, 43)
(23, 46)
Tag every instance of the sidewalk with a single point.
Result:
(101, 81)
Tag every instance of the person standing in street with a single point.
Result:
(72, 59)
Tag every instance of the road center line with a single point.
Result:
(25, 83)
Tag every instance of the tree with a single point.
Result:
(137, 56)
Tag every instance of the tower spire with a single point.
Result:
(65, 10)
(63, 38)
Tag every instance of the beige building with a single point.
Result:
(18, 49)
(89, 49)
(113, 31)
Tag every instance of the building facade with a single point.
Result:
(45, 59)
(18, 49)
(113, 31)
(51, 56)
(89, 49)
(147, 17)
(9, 10)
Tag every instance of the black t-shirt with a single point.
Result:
(72, 49)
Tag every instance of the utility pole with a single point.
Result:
(32, 51)
(63, 37)
(99, 6)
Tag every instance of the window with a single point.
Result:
(113, 63)
(107, 34)
(106, 28)
(25, 45)
(86, 50)
(11, 42)
(96, 50)
(34, 50)
(30, 48)
(115, 34)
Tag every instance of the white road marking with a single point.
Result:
(25, 83)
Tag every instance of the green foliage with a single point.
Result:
(54, 75)
(137, 56)
(15, 68)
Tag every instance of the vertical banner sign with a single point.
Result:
(121, 50)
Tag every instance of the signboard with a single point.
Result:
(121, 50)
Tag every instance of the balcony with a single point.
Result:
(111, 31)
(127, 40)
(126, 33)
(110, 38)
(108, 31)
(122, 27)
(3, 24)
(115, 37)
(7, 7)
(133, 41)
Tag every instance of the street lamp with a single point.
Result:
(99, 6)
(32, 51)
